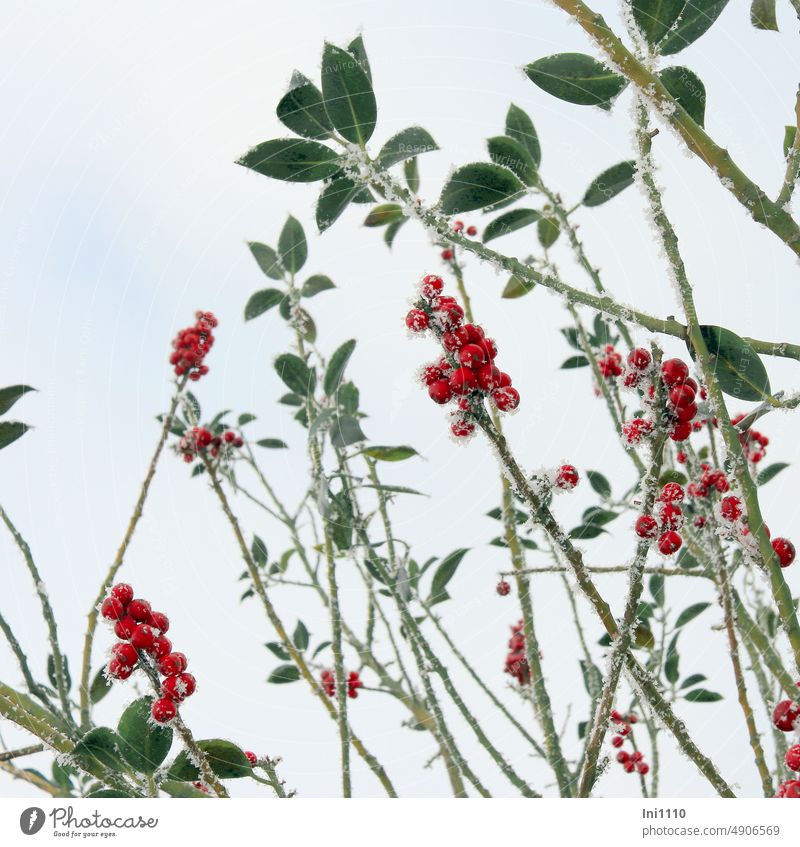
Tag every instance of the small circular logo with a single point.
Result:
(31, 820)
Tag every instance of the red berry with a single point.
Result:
(123, 592)
(681, 395)
(681, 431)
(172, 664)
(567, 477)
(639, 359)
(461, 427)
(674, 371)
(417, 320)
(490, 347)
(164, 710)
(116, 670)
(784, 549)
(472, 231)
(471, 355)
(139, 610)
(158, 620)
(670, 542)
(179, 687)
(643, 768)
(440, 391)
(143, 637)
(785, 715)
(112, 609)
(684, 414)
(731, 508)
(672, 492)
(447, 254)
(503, 588)
(251, 757)
(637, 756)
(162, 646)
(506, 398)
(671, 516)
(632, 718)
(125, 627)
(431, 285)
(488, 377)
(617, 741)
(789, 789)
(458, 226)
(623, 756)
(462, 381)
(125, 653)
(629, 767)
(792, 758)
(646, 526)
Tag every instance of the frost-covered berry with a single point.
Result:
(417, 320)
(143, 637)
(172, 664)
(669, 543)
(488, 377)
(672, 492)
(124, 628)
(139, 610)
(462, 381)
(785, 715)
(117, 670)
(567, 477)
(671, 516)
(681, 431)
(112, 609)
(639, 358)
(792, 758)
(646, 526)
(164, 710)
(636, 428)
(506, 399)
(681, 396)
(731, 508)
(461, 427)
(251, 757)
(674, 371)
(159, 621)
(503, 588)
(123, 592)
(431, 285)
(784, 550)
(440, 391)
(471, 355)
(125, 653)
(162, 646)
(789, 789)
(179, 687)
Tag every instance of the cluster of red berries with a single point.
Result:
(458, 226)
(143, 634)
(753, 443)
(667, 520)
(731, 511)
(198, 439)
(466, 372)
(709, 480)
(633, 761)
(328, 681)
(516, 661)
(191, 346)
(786, 717)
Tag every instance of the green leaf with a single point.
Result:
(510, 154)
(737, 367)
(277, 649)
(51, 671)
(300, 636)
(258, 550)
(643, 638)
(510, 222)
(686, 560)
(610, 183)
(476, 186)
(671, 666)
(143, 743)
(301, 109)
(262, 301)
(336, 196)
(391, 231)
(576, 78)
(10, 395)
(444, 573)
(655, 17)
(267, 259)
(694, 20)
(347, 94)
(571, 335)
(789, 135)
(346, 430)
(599, 517)
(347, 398)
(390, 454)
(292, 245)
(411, 173)
(762, 15)
(283, 674)
(592, 679)
(517, 287)
(520, 127)
(548, 230)
(690, 613)
(316, 284)
(99, 687)
(386, 213)
(183, 790)
(599, 483)
(771, 472)
(296, 374)
(656, 586)
(584, 532)
(226, 760)
(320, 647)
(292, 160)
(406, 144)
(693, 680)
(10, 431)
(394, 489)
(272, 443)
(672, 476)
(688, 90)
(356, 48)
(336, 366)
(702, 695)
(574, 362)
(99, 745)
(108, 793)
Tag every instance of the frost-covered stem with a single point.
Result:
(603, 569)
(741, 687)
(34, 687)
(47, 613)
(541, 514)
(718, 159)
(270, 769)
(94, 612)
(792, 158)
(30, 777)
(730, 435)
(623, 643)
(283, 635)
(8, 755)
(439, 225)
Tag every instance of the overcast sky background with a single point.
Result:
(121, 212)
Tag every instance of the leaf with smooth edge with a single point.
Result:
(336, 196)
(688, 90)
(262, 301)
(99, 745)
(694, 20)
(390, 454)
(690, 613)
(10, 395)
(100, 686)
(411, 173)
(406, 144)
(356, 48)
(267, 259)
(391, 231)
(444, 573)
(510, 222)
(574, 362)
(296, 374)
(384, 214)
(611, 182)
(292, 160)
(316, 284)
(226, 760)
(702, 695)
(347, 94)
(278, 650)
(737, 367)
(771, 472)
(337, 365)
(143, 744)
(693, 680)
(548, 230)
(183, 790)
(346, 430)
(292, 245)
(520, 127)
(284, 674)
(301, 109)
(655, 17)
(301, 636)
(476, 186)
(509, 153)
(10, 431)
(586, 531)
(517, 287)
(789, 135)
(576, 78)
(272, 443)
(762, 15)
